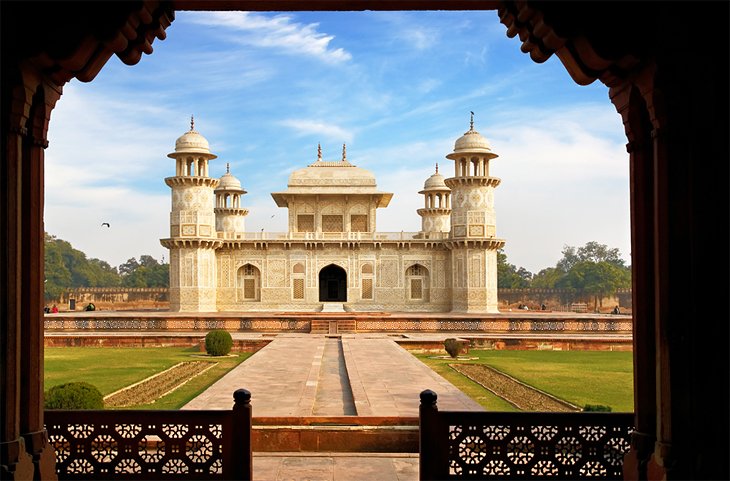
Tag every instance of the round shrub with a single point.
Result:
(452, 347)
(74, 395)
(218, 342)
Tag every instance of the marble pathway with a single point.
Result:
(285, 376)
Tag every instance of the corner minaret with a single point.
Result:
(193, 238)
(436, 214)
(229, 215)
(473, 225)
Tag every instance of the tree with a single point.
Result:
(57, 275)
(596, 279)
(592, 252)
(547, 278)
(146, 272)
(508, 276)
(67, 268)
(128, 267)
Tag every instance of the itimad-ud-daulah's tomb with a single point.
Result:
(332, 256)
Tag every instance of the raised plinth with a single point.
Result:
(333, 307)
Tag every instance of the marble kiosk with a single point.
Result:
(332, 255)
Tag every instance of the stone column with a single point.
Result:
(24, 448)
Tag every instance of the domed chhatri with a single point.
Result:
(229, 182)
(471, 142)
(435, 182)
(192, 142)
(331, 251)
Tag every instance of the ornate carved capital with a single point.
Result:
(585, 36)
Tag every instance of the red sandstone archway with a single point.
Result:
(667, 69)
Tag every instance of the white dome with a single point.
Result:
(435, 182)
(472, 142)
(229, 182)
(191, 141)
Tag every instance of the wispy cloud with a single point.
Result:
(277, 32)
(264, 91)
(316, 127)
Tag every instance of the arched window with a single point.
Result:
(248, 282)
(298, 281)
(417, 283)
(366, 281)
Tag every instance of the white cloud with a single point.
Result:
(564, 169)
(278, 32)
(315, 127)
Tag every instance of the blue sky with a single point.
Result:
(396, 87)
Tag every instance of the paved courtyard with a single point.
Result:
(306, 375)
(287, 378)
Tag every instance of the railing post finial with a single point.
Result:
(428, 398)
(242, 396)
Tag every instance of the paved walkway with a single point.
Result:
(290, 374)
(310, 375)
(335, 467)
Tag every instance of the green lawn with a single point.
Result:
(579, 377)
(110, 369)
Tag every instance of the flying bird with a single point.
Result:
(106, 224)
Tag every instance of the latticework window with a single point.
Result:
(416, 288)
(367, 288)
(249, 289)
(305, 223)
(358, 223)
(248, 282)
(415, 270)
(298, 288)
(332, 223)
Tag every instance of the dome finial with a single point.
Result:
(319, 152)
(437, 167)
(192, 123)
(344, 153)
(228, 167)
(471, 122)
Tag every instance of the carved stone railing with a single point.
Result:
(521, 445)
(173, 445)
(336, 236)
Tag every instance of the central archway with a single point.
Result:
(332, 284)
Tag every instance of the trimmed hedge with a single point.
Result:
(74, 395)
(452, 347)
(597, 408)
(218, 342)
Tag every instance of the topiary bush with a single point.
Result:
(452, 347)
(597, 408)
(74, 395)
(218, 342)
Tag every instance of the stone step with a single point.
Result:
(333, 326)
(333, 307)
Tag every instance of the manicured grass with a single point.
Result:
(489, 401)
(579, 377)
(110, 369)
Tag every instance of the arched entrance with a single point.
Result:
(332, 284)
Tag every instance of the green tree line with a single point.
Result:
(66, 267)
(594, 270)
